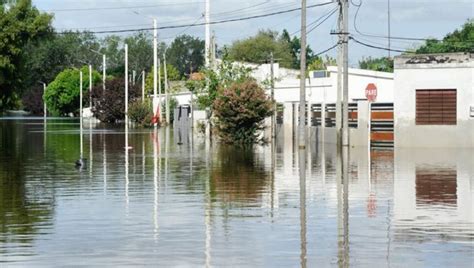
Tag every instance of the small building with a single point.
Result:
(434, 100)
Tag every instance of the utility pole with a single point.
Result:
(208, 32)
(159, 87)
(302, 110)
(90, 86)
(272, 85)
(126, 84)
(155, 69)
(134, 75)
(342, 111)
(345, 62)
(80, 112)
(166, 91)
(104, 71)
(388, 18)
(45, 111)
(143, 86)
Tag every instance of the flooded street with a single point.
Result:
(175, 200)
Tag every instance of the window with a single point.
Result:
(436, 107)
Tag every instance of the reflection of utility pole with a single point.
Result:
(302, 173)
(342, 180)
(302, 110)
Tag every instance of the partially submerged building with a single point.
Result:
(434, 100)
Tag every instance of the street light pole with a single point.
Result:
(104, 70)
(155, 70)
(167, 100)
(80, 111)
(45, 111)
(126, 84)
(143, 86)
(90, 87)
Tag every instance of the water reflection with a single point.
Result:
(201, 204)
(239, 176)
(302, 173)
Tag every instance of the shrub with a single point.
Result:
(109, 105)
(62, 95)
(140, 112)
(240, 111)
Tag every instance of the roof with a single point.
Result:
(434, 60)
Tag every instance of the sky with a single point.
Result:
(409, 18)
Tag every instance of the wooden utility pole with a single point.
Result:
(302, 110)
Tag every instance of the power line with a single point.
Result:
(323, 17)
(211, 23)
(396, 37)
(381, 48)
(327, 50)
(121, 7)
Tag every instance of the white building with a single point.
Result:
(434, 100)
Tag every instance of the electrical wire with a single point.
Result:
(395, 37)
(121, 7)
(211, 23)
(377, 47)
(323, 17)
(327, 50)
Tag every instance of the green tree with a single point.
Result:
(110, 103)
(257, 49)
(384, 64)
(320, 63)
(461, 40)
(20, 23)
(173, 75)
(295, 49)
(62, 95)
(240, 111)
(186, 53)
(44, 59)
(207, 87)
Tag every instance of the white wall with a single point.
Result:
(320, 90)
(408, 78)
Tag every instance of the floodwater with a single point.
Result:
(176, 200)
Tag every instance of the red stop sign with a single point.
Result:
(371, 92)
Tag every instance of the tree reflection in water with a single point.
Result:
(238, 176)
(25, 208)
